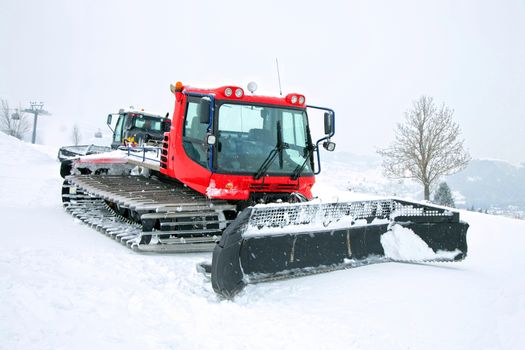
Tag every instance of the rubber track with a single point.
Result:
(97, 214)
(146, 197)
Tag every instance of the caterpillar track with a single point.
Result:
(147, 214)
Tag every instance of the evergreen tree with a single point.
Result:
(443, 196)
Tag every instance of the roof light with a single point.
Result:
(239, 93)
(177, 87)
(228, 92)
(252, 86)
(295, 99)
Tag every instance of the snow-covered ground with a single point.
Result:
(65, 286)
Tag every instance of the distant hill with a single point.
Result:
(490, 183)
(483, 184)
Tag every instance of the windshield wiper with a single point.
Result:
(277, 150)
(299, 169)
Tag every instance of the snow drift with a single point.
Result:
(64, 286)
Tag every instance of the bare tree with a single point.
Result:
(13, 124)
(76, 135)
(426, 146)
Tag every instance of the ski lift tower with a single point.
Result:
(36, 109)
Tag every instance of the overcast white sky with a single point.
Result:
(368, 60)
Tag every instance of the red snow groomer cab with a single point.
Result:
(225, 150)
(231, 145)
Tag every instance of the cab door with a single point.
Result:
(118, 133)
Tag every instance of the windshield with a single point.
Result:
(145, 123)
(248, 134)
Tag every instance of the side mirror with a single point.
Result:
(328, 124)
(204, 110)
(110, 117)
(329, 146)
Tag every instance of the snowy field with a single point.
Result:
(65, 286)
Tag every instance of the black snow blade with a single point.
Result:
(282, 241)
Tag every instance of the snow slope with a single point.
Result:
(65, 286)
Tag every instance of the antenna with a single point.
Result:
(279, 76)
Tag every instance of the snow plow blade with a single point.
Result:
(282, 241)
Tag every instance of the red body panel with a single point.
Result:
(175, 162)
(96, 160)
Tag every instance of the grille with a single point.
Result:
(273, 187)
(326, 213)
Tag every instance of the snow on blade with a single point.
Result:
(286, 218)
(402, 244)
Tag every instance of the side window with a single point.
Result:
(139, 123)
(118, 129)
(288, 128)
(193, 128)
(300, 132)
(193, 135)
(294, 135)
(155, 125)
(294, 129)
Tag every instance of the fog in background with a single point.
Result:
(368, 60)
